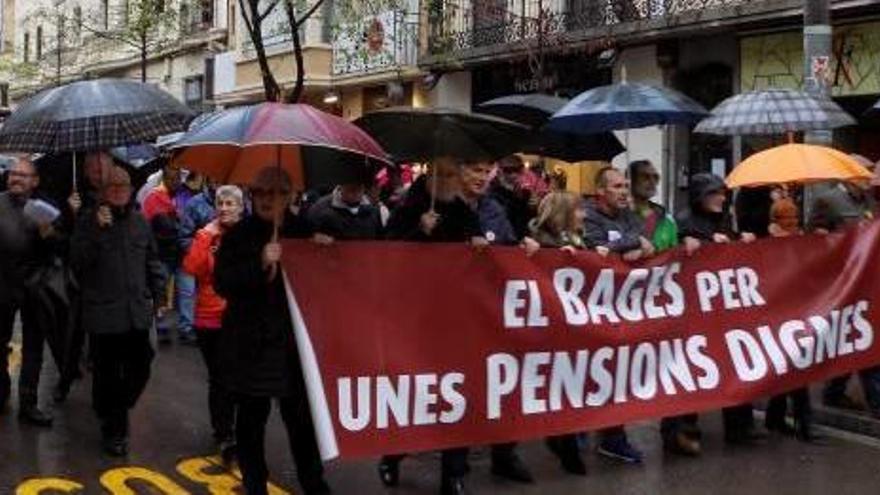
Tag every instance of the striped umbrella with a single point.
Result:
(93, 115)
(315, 148)
(774, 112)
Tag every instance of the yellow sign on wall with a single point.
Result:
(777, 60)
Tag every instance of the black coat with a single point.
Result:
(698, 223)
(119, 272)
(458, 222)
(328, 216)
(258, 351)
(516, 204)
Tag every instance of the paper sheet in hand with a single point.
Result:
(40, 211)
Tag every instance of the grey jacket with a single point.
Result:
(619, 234)
(119, 272)
(22, 250)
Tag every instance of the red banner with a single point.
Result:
(409, 347)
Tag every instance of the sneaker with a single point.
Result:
(683, 444)
(620, 449)
(389, 471)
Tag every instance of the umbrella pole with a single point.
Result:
(74, 172)
(433, 186)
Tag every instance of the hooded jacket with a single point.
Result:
(695, 221)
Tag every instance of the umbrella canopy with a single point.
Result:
(570, 147)
(315, 148)
(93, 115)
(135, 156)
(796, 163)
(625, 106)
(423, 135)
(774, 111)
(531, 109)
(534, 110)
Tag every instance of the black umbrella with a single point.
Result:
(535, 110)
(91, 116)
(423, 135)
(531, 109)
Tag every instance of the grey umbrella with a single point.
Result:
(93, 115)
(774, 112)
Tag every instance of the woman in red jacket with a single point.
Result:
(199, 262)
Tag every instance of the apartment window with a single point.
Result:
(184, 18)
(207, 13)
(193, 91)
(160, 6)
(27, 47)
(77, 20)
(39, 47)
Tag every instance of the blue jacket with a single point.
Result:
(494, 224)
(198, 212)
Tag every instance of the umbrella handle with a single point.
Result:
(74, 173)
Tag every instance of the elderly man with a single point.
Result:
(259, 354)
(114, 255)
(25, 246)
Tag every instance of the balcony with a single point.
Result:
(385, 42)
(468, 31)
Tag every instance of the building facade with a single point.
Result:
(171, 43)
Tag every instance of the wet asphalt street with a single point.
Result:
(171, 442)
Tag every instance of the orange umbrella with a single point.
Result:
(796, 163)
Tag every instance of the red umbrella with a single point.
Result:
(315, 148)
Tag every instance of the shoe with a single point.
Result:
(512, 468)
(318, 487)
(745, 437)
(187, 339)
(61, 391)
(228, 450)
(683, 444)
(115, 446)
(389, 472)
(842, 402)
(32, 415)
(692, 431)
(782, 428)
(803, 431)
(162, 337)
(452, 486)
(570, 461)
(621, 450)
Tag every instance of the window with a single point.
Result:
(27, 47)
(77, 20)
(160, 6)
(193, 91)
(39, 48)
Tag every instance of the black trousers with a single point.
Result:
(220, 401)
(738, 419)
(32, 344)
(120, 374)
(778, 406)
(250, 433)
(453, 462)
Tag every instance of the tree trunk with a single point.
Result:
(299, 85)
(255, 29)
(143, 50)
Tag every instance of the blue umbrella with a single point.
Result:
(135, 156)
(625, 106)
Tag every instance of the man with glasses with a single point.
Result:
(25, 246)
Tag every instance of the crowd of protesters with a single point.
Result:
(212, 252)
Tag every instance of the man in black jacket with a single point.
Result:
(433, 211)
(706, 221)
(25, 246)
(114, 255)
(261, 362)
(346, 214)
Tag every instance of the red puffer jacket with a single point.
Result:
(199, 262)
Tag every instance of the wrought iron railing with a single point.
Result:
(376, 43)
(455, 25)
